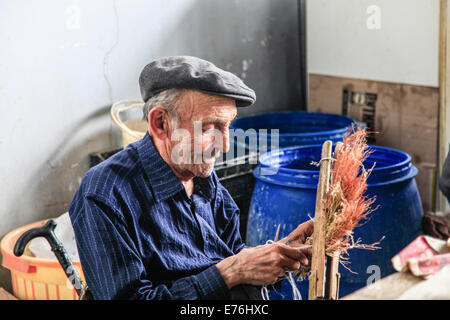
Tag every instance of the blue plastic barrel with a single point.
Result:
(295, 129)
(285, 194)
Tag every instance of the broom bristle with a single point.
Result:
(346, 204)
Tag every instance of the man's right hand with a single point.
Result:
(260, 265)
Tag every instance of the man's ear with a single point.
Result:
(157, 123)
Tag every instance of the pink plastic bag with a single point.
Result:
(423, 257)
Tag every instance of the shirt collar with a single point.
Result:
(205, 187)
(163, 181)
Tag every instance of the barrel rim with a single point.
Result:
(407, 163)
(306, 134)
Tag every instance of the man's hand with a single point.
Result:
(264, 264)
(297, 238)
(300, 234)
(260, 265)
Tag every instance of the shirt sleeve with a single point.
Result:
(113, 267)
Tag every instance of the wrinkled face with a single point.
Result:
(201, 133)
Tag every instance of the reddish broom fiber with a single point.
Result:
(346, 204)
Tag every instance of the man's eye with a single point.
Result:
(208, 127)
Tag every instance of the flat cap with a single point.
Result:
(193, 73)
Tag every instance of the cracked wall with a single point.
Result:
(63, 63)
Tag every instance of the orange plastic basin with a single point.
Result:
(35, 278)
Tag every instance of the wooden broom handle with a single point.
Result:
(332, 275)
(316, 279)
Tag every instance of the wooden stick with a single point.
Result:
(316, 278)
(277, 233)
(337, 149)
(332, 277)
(444, 95)
(332, 274)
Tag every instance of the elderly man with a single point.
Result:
(153, 221)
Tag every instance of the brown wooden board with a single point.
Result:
(406, 117)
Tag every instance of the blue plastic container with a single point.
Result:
(295, 129)
(285, 193)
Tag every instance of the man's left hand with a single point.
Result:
(297, 238)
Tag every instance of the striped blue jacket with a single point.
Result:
(140, 236)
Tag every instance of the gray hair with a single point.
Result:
(168, 100)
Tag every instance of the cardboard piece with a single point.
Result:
(406, 117)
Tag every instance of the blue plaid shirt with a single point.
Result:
(140, 236)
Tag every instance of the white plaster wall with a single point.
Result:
(63, 63)
(403, 47)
